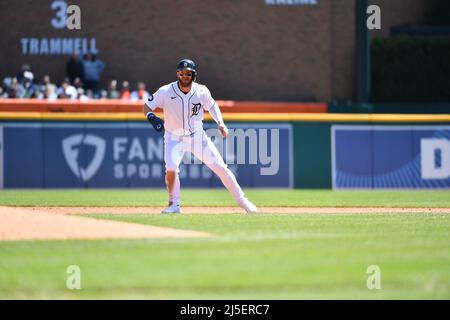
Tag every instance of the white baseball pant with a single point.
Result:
(201, 146)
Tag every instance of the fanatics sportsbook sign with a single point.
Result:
(129, 154)
(291, 2)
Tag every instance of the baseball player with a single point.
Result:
(184, 102)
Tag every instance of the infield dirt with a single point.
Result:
(63, 223)
(41, 224)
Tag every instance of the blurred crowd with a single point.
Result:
(82, 82)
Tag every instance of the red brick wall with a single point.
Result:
(245, 50)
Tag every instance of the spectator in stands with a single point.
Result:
(89, 94)
(140, 93)
(30, 90)
(25, 74)
(6, 84)
(11, 87)
(67, 91)
(113, 93)
(125, 91)
(25, 87)
(103, 94)
(50, 93)
(14, 89)
(46, 81)
(93, 68)
(81, 96)
(47, 89)
(77, 83)
(74, 68)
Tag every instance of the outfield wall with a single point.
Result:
(78, 154)
(342, 151)
(372, 155)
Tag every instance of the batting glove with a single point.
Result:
(156, 122)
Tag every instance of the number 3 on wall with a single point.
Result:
(66, 16)
(60, 20)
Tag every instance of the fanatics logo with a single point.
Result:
(71, 149)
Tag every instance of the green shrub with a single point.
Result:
(411, 69)
(438, 13)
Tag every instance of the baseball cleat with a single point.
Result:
(248, 206)
(172, 208)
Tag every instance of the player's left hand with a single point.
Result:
(156, 122)
(223, 129)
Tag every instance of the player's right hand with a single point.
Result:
(156, 122)
(223, 129)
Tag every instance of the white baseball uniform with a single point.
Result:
(183, 123)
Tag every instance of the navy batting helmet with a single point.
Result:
(187, 64)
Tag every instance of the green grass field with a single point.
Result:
(219, 197)
(261, 256)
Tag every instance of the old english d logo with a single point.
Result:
(71, 149)
(196, 108)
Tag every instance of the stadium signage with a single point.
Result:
(65, 17)
(393, 157)
(121, 155)
(58, 46)
(71, 147)
(291, 2)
